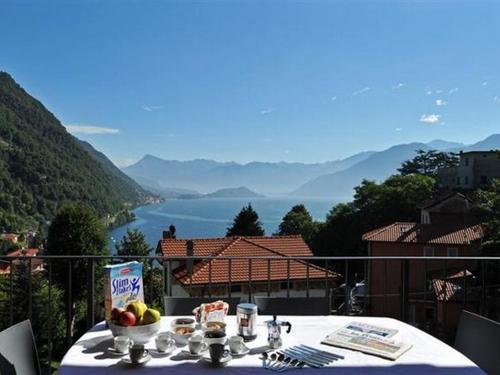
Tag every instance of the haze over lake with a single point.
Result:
(200, 218)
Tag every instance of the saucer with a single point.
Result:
(142, 361)
(245, 351)
(111, 350)
(222, 362)
(187, 353)
(170, 350)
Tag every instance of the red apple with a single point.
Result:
(127, 319)
(115, 313)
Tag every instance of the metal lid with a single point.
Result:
(246, 308)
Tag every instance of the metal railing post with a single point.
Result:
(404, 290)
(90, 294)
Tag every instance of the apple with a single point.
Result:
(115, 313)
(127, 319)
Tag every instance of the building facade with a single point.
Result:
(476, 170)
(403, 289)
(226, 273)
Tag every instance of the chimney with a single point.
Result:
(166, 234)
(189, 253)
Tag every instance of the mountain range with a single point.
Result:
(333, 179)
(42, 166)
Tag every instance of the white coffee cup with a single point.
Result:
(236, 344)
(164, 341)
(196, 344)
(121, 344)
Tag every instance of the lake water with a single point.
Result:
(202, 218)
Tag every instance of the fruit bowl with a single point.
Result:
(139, 334)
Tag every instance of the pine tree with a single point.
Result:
(246, 223)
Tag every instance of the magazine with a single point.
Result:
(368, 339)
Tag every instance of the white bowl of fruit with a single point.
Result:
(136, 321)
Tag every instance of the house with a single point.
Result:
(476, 170)
(453, 293)
(12, 237)
(449, 227)
(225, 273)
(6, 266)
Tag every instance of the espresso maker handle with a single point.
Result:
(289, 325)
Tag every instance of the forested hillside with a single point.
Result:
(42, 166)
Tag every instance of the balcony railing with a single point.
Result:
(63, 297)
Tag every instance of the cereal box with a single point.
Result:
(122, 284)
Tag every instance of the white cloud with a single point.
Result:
(151, 108)
(89, 129)
(333, 98)
(438, 91)
(453, 90)
(428, 92)
(484, 83)
(361, 91)
(267, 111)
(430, 119)
(441, 102)
(398, 129)
(398, 86)
(286, 151)
(496, 99)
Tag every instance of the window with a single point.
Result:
(466, 182)
(235, 288)
(428, 251)
(452, 252)
(466, 162)
(484, 180)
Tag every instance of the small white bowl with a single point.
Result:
(182, 339)
(138, 334)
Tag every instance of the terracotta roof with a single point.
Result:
(452, 288)
(36, 264)
(428, 203)
(285, 245)
(23, 252)
(217, 270)
(443, 233)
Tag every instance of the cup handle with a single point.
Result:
(146, 352)
(204, 346)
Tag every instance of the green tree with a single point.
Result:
(77, 230)
(7, 246)
(489, 200)
(374, 205)
(133, 243)
(246, 223)
(428, 162)
(298, 221)
(44, 316)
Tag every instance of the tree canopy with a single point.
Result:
(298, 221)
(246, 223)
(76, 230)
(374, 205)
(428, 162)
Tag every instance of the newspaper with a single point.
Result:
(368, 339)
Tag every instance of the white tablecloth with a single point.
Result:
(427, 356)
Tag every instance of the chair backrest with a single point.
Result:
(292, 305)
(185, 305)
(18, 354)
(478, 338)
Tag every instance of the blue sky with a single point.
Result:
(258, 80)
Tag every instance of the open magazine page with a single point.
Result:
(355, 337)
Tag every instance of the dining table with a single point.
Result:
(427, 355)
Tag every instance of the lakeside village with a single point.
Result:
(450, 224)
